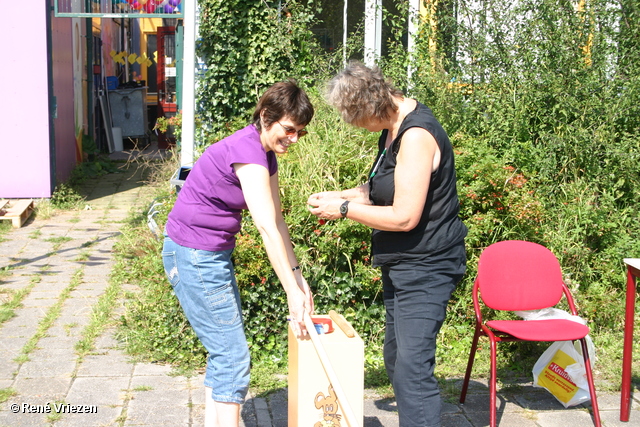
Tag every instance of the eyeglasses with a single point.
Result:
(289, 131)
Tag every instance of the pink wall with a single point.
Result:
(24, 145)
(27, 161)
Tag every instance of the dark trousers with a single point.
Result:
(416, 294)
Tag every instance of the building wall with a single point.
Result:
(110, 35)
(66, 147)
(25, 166)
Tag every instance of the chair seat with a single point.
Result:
(541, 330)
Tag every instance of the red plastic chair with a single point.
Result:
(515, 275)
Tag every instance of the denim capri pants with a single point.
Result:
(205, 284)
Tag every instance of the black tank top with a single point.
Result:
(440, 227)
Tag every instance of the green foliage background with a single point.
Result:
(541, 102)
(248, 45)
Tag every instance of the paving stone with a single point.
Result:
(11, 344)
(25, 322)
(8, 368)
(197, 390)
(107, 341)
(106, 364)
(511, 403)
(35, 301)
(98, 390)
(68, 323)
(278, 407)
(152, 369)
(21, 419)
(57, 341)
(537, 400)
(197, 416)
(32, 390)
(610, 402)
(575, 417)
(46, 363)
(263, 417)
(450, 420)
(164, 403)
(40, 293)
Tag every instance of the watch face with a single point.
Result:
(344, 208)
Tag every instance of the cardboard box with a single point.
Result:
(312, 402)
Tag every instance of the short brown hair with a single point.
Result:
(280, 100)
(361, 93)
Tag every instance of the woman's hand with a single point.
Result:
(325, 205)
(326, 195)
(297, 301)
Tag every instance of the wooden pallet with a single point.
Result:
(18, 211)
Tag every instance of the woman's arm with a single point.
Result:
(262, 196)
(417, 158)
(358, 194)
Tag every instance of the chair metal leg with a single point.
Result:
(492, 385)
(592, 387)
(472, 356)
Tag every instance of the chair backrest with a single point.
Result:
(517, 275)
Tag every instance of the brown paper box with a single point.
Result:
(311, 401)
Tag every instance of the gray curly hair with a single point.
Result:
(361, 93)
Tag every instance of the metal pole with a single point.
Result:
(414, 9)
(372, 31)
(89, 106)
(188, 84)
(344, 33)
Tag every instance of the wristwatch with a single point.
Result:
(344, 208)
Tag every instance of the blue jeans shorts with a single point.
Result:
(205, 284)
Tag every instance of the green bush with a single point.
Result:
(66, 197)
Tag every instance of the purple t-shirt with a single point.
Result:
(208, 211)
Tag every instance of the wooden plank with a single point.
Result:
(342, 323)
(18, 212)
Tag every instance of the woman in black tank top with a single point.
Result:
(410, 202)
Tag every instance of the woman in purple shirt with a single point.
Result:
(236, 173)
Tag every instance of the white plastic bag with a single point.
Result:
(561, 371)
(549, 313)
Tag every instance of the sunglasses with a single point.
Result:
(289, 131)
